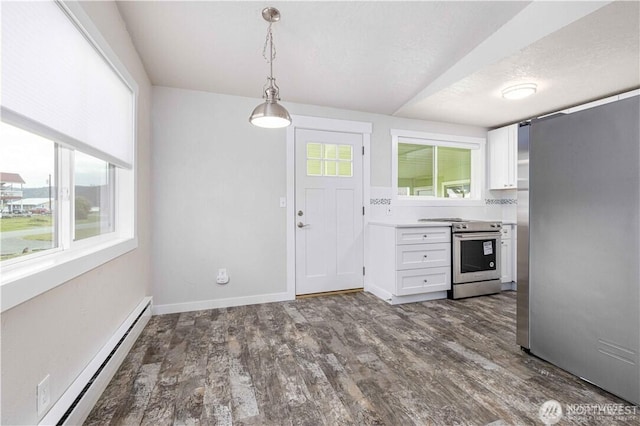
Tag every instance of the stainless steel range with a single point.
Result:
(475, 257)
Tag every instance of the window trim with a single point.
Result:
(21, 281)
(475, 144)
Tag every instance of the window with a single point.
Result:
(92, 197)
(67, 149)
(325, 159)
(27, 193)
(436, 168)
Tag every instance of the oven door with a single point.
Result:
(476, 256)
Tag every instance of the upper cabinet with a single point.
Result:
(502, 156)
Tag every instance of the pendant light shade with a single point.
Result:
(270, 114)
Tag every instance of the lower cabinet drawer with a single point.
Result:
(414, 256)
(414, 281)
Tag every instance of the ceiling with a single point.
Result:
(441, 61)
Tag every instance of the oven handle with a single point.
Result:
(478, 235)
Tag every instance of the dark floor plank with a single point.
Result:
(339, 360)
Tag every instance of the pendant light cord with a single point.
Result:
(272, 50)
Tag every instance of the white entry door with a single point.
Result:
(329, 211)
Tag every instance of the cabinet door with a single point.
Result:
(502, 158)
(507, 262)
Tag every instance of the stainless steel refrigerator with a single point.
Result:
(578, 243)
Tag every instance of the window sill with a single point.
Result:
(22, 282)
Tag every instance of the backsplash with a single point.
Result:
(383, 208)
(387, 201)
(501, 201)
(379, 201)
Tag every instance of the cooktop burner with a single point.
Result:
(443, 219)
(465, 225)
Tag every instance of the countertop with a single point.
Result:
(416, 224)
(410, 224)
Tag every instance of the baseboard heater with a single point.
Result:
(76, 403)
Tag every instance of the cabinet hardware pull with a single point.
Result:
(424, 236)
(425, 281)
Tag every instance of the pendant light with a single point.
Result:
(270, 114)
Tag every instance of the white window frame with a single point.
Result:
(475, 144)
(29, 276)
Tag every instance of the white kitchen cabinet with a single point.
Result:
(408, 264)
(508, 254)
(502, 158)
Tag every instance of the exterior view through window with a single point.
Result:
(93, 196)
(434, 171)
(27, 193)
(31, 213)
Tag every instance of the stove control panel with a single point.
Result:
(476, 226)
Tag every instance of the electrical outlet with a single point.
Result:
(43, 394)
(283, 201)
(222, 277)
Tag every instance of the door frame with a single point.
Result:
(331, 125)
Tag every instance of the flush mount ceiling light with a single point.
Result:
(270, 114)
(519, 91)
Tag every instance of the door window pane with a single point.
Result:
(345, 152)
(314, 167)
(330, 151)
(314, 150)
(345, 169)
(330, 160)
(27, 193)
(330, 168)
(93, 196)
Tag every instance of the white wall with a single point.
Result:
(217, 183)
(59, 332)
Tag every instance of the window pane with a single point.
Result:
(314, 167)
(330, 168)
(345, 152)
(454, 172)
(415, 169)
(345, 169)
(330, 151)
(314, 150)
(93, 202)
(27, 193)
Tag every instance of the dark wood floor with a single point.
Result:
(337, 360)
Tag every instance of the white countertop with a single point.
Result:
(416, 224)
(410, 224)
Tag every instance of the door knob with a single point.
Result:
(302, 225)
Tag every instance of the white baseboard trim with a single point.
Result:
(86, 402)
(397, 300)
(509, 286)
(202, 305)
(377, 291)
(414, 298)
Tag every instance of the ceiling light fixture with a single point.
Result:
(519, 91)
(270, 114)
